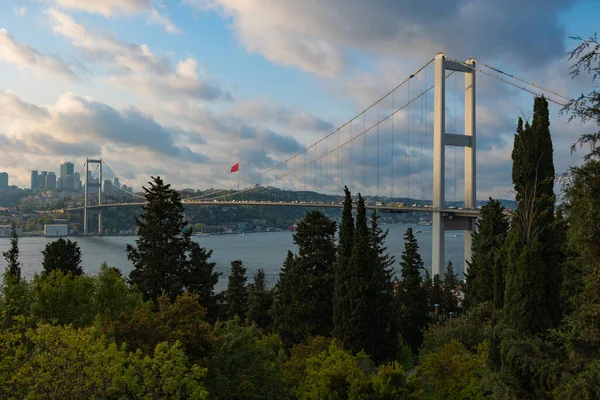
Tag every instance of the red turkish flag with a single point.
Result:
(235, 168)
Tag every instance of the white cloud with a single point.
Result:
(110, 8)
(154, 17)
(20, 11)
(135, 66)
(320, 36)
(26, 56)
(105, 7)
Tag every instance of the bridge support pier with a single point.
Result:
(87, 185)
(441, 139)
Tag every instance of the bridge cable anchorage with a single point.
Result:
(519, 87)
(337, 130)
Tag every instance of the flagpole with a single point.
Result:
(238, 171)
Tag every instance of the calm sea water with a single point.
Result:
(256, 250)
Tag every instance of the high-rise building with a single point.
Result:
(3, 180)
(34, 179)
(109, 188)
(41, 180)
(51, 180)
(67, 169)
(117, 183)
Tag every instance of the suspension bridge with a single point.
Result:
(412, 143)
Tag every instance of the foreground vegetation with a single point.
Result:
(337, 324)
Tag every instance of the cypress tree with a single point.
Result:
(371, 325)
(532, 302)
(436, 293)
(63, 255)
(287, 309)
(160, 255)
(260, 300)
(485, 273)
(412, 294)
(11, 256)
(450, 288)
(341, 303)
(236, 294)
(304, 293)
(200, 278)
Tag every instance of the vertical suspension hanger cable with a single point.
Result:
(421, 152)
(378, 122)
(408, 144)
(352, 157)
(392, 147)
(339, 159)
(364, 163)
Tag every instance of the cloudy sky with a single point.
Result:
(186, 88)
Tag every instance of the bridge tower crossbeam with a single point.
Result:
(441, 221)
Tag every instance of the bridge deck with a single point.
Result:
(404, 209)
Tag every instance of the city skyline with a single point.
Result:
(186, 89)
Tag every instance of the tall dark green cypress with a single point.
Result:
(485, 273)
(450, 291)
(532, 301)
(260, 300)
(412, 294)
(356, 329)
(384, 322)
(13, 267)
(236, 294)
(371, 323)
(341, 272)
(304, 294)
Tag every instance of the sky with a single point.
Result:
(184, 89)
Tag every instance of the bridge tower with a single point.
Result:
(86, 187)
(443, 221)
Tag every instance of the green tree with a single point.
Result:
(456, 373)
(64, 298)
(260, 300)
(450, 291)
(303, 295)
(412, 294)
(532, 294)
(183, 321)
(200, 278)
(61, 362)
(372, 323)
(586, 107)
(341, 270)
(246, 365)
(485, 273)
(62, 255)
(160, 255)
(236, 295)
(12, 255)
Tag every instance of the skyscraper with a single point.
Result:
(3, 180)
(67, 169)
(41, 180)
(34, 179)
(67, 181)
(51, 180)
